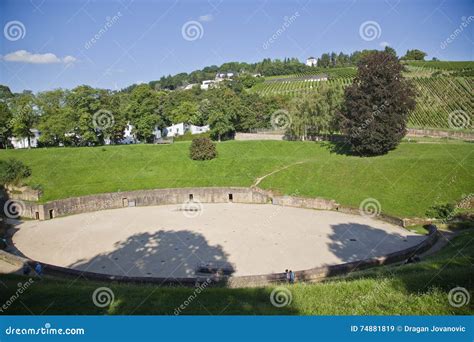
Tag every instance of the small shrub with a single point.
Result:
(202, 149)
(441, 211)
(13, 171)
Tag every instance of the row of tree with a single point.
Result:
(372, 112)
(269, 67)
(86, 116)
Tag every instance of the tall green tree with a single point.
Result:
(415, 55)
(24, 117)
(314, 115)
(224, 108)
(57, 119)
(376, 105)
(5, 125)
(145, 112)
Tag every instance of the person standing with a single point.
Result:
(26, 269)
(292, 277)
(287, 274)
(38, 269)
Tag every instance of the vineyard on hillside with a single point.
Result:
(442, 65)
(443, 102)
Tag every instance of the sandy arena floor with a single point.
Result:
(167, 242)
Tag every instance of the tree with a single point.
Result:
(187, 112)
(57, 119)
(13, 171)
(313, 115)
(145, 112)
(414, 55)
(224, 107)
(24, 117)
(390, 50)
(376, 105)
(5, 125)
(324, 61)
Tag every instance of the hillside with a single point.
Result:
(395, 179)
(443, 88)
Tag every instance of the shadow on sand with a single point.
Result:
(175, 254)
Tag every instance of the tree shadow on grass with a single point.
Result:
(340, 147)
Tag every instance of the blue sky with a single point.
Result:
(45, 42)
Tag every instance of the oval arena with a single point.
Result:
(192, 238)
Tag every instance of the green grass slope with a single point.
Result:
(406, 181)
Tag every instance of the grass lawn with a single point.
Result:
(406, 181)
(420, 289)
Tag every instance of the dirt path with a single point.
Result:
(259, 179)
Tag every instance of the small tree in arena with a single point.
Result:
(376, 105)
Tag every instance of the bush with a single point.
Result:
(441, 211)
(13, 171)
(202, 149)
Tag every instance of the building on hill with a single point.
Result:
(128, 137)
(23, 142)
(311, 61)
(182, 128)
(205, 85)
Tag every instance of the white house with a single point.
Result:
(311, 61)
(23, 142)
(207, 84)
(198, 129)
(128, 137)
(182, 128)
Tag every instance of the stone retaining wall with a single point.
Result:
(113, 200)
(433, 133)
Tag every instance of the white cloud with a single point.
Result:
(206, 18)
(69, 59)
(384, 44)
(23, 56)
